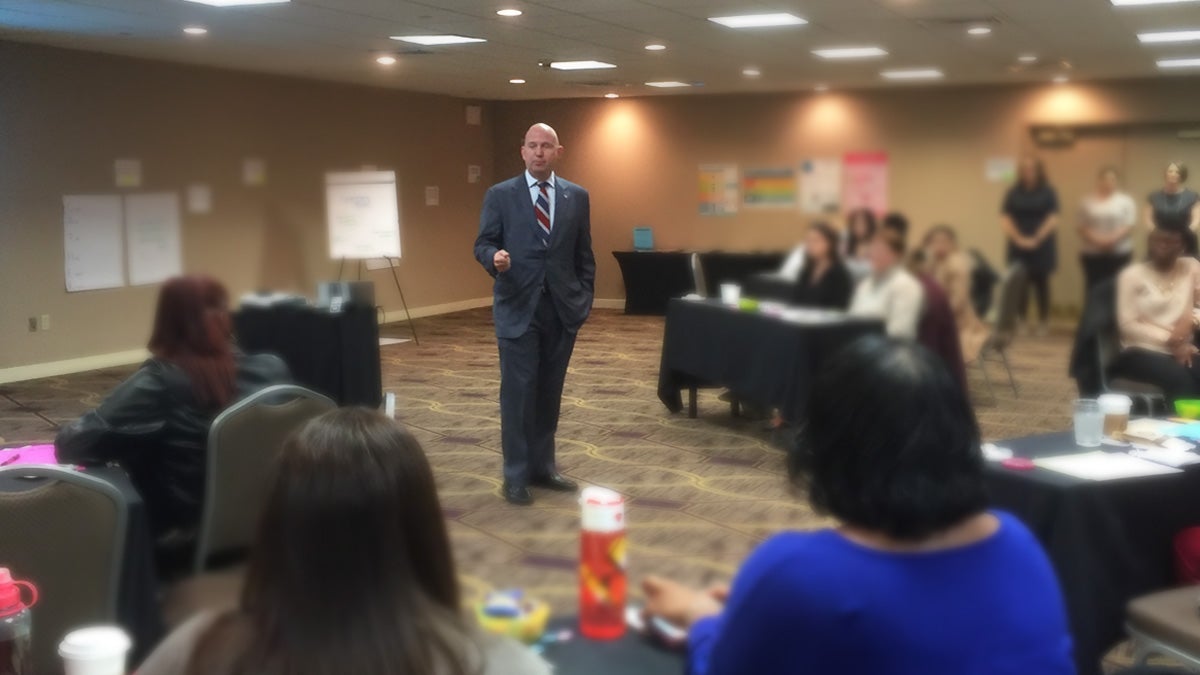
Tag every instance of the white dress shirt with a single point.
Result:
(896, 297)
(534, 191)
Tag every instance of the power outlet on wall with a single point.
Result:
(44, 322)
(33, 324)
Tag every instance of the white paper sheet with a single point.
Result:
(821, 185)
(153, 238)
(363, 215)
(1101, 465)
(93, 258)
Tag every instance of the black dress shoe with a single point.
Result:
(518, 495)
(557, 482)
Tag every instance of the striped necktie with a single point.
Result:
(543, 212)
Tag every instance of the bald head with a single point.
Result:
(540, 150)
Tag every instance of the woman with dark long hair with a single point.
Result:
(1029, 217)
(860, 230)
(1175, 207)
(155, 424)
(352, 571)
(824, 281)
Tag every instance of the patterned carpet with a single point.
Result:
(702, 493)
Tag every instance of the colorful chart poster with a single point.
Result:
(866, 181)
(821, 186)
(718, 189)
(769, 188)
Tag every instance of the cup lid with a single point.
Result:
(94, 642)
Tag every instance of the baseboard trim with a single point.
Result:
(85, 363)
(67, 366)
(395, 315)
(608, 303)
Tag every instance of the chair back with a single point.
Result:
(242, 444)
(1008, 307)
(698, 276)
(983, 282)
(64, 531)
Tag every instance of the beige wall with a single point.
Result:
(65, 116)
(638, 157)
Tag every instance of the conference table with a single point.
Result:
(332, 353)
(763, 359)
(137, 593)
(653, 278)
(1109, 541)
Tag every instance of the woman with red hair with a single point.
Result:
(155, 424)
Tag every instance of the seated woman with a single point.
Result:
(824, 281)
(1155, 318)
(860, 230)
(156, 422)
(890, 293)
(951, 269)
(919, 578)
(351, 572)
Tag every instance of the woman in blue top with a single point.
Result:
(919, 578)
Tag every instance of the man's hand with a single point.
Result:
(501, 261)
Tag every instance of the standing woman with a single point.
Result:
(1029, 218)
(1175, 207)
(1106, 220)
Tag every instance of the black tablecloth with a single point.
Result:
(761, 359)
(137, 598)
(630, 655)
(334, 354)
(1110, 541)
(654, 277)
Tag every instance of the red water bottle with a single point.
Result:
(16, 639)
(602, 583)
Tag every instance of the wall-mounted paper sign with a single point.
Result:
(128, 173)
(254, 171)
(199, 198)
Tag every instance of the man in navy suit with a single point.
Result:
(535, 239)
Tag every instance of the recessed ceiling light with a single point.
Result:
(1180, 63)
(612, 95)
(580, 65)
(913, 74)
(655, 47)
(1129, 3)
(668, 84)
(1061, 79)
(850, 52)
(1170, 36)
(822, 87)
(195, 30)
(386, 60)
(238, 3)
(434, 40)
(516, 80)
(509, 12)
(979, 31)
(758, 20)
(751, 72)
(1027, 58)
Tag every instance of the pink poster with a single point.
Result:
(865, 181)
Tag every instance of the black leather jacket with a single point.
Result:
(153, 426)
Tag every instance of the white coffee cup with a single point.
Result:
(730, 293)
(96, 650)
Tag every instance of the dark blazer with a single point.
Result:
(566, 268)
(833, 290)
(154, 426)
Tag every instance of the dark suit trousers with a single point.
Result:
(533, 368)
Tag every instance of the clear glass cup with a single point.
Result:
(1089, 423)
